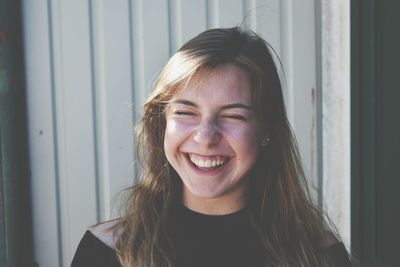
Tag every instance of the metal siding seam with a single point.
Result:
(132, 65)
(287, 55)
(213, 12)
(318, 90)
(97, 85)
(39, 95)
(137, 63)
(60, 133)
(170, 30)
(250, 14)
(175, 23)
(55, 130)
(254, 18)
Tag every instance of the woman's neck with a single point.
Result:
(214, 206)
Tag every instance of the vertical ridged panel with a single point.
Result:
(268, 22)
(38, 66)
(187, 19)
(304, 87)
(174, 24)
(287, 54)
(212, 11)
(193, 19)
(250, 14)
(138, 57)
(155, 39)
(53, 14)
(73, 102)
(234, 17)
(99, 105)
(113, 100)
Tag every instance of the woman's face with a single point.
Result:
(212, 139)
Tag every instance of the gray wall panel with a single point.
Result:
(41, 136)
(73, 113)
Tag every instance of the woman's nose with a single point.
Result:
(207, 133)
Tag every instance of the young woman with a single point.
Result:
(222, 181)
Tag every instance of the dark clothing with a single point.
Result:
(201, 241)
(92, 252)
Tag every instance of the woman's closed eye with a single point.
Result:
(235, 117)
(183, 113)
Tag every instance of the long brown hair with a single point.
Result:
(291, 228)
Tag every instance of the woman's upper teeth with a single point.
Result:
(208, 162)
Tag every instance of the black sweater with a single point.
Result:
(201, 241)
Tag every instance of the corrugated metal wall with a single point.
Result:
(90, 65)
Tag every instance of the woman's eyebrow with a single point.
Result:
(237, 105)
(184, 102)
(228, 106)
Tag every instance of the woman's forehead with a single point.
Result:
(226, 81)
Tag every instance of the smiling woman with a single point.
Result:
(222, 181)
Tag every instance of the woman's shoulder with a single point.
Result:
(338, 254)
(336, 250)
(96, 247)
(105, 232)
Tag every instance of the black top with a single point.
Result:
(201, 240)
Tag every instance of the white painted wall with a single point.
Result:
(89, 67)
(335, 36)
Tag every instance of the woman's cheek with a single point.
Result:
(176, 133)
(246, 135)
(177, 127)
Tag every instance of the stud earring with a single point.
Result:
(265, 141)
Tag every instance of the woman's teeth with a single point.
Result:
(206, 163)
